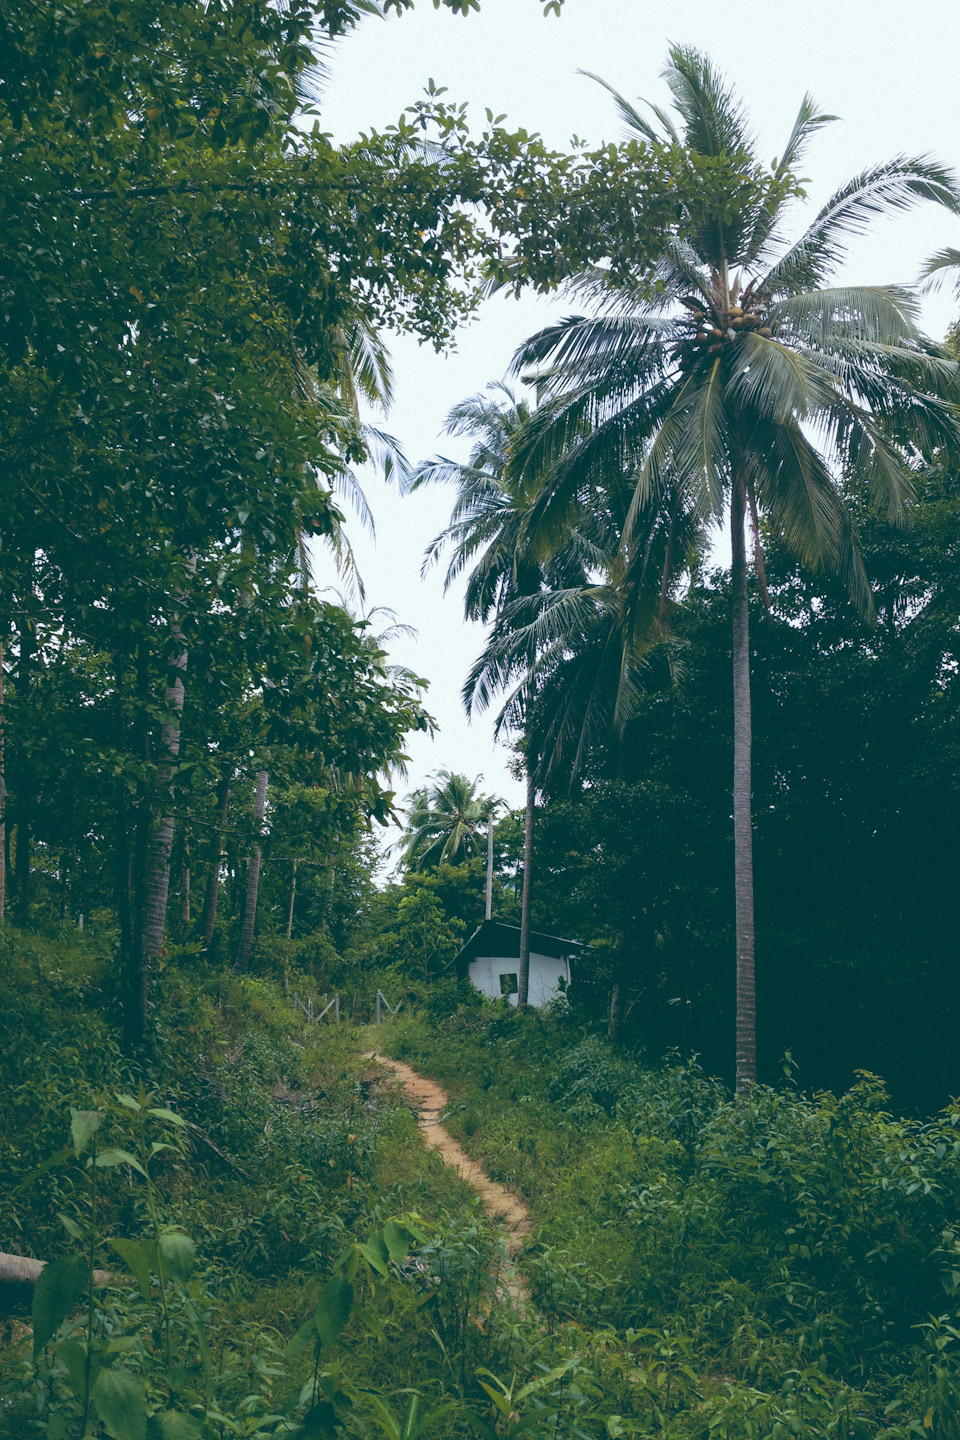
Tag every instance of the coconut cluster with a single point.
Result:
(712, 328)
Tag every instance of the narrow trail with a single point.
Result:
(430, 1100)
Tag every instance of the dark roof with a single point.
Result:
(499, 940)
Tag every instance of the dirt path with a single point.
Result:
(429, 1100)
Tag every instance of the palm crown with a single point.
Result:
(748, 361)
(446, 820)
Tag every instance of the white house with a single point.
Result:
(491, 960)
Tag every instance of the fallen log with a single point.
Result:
(24, 1270)
(20, 1273)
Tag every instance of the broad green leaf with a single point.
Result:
(58, 1288)
(135, 1257)
(170, 1115)
(320, 1419)
(73, 1357)
(128, 1102)
(375, 1254)
(108, 1159)
(179, 1256)
(83, 1125)
(304, 1336)
(349, 1262)
(174, 1425)
(333, 1308)
(397, 1239)
(121, 1403)
(70, 1225)
(58, 1426)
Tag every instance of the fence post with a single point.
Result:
(378, 1007)
(336, 1008)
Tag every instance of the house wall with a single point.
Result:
(546, 974)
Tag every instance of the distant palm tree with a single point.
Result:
(446, 822)
(488, 539)
(749, 383)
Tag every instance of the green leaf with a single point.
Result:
(108, 1159)
(162, 1114)
(349, 1262)
(70, 1225)
(49, 1164)
(397, 1239)
(59, 1287)
(303, 1337)
(137, 1259)
(375, 1254)
(320, 1419)
(174, 1425)
(73, 1357)
(121, 1403)
(179, 1255)
(333, 1308)
(83, 1125)
(58, 1426)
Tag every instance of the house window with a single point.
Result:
(508, 985)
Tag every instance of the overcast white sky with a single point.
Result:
(887, 69)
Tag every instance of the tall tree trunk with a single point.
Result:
(293, 896)
(3, 807)
(21, 861)
(28, 648)
(156, 880)
(615, 1027)
(488, 910)
(208, 923)
(742, 785)
(185, 887)
(523, 979)
(253, 877)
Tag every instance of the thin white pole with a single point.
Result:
(490, 869)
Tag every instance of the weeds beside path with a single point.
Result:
(430, 1100)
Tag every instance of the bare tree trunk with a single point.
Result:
(293, 896)
(488, 914)
(742, 786)
(615, 1028)
(523, 979)
(209, 921)
(21, 862)
(156, 884)
(28, 650)
(185, 887)
(253, 876)
(3, 807)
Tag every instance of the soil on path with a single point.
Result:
(429, 1101)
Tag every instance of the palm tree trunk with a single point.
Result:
(523, 979)
(742, 785)
(209, 920)
(253, 876)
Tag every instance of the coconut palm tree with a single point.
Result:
(489, 539)
(751, 382)
(446, 822)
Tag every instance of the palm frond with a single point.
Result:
(714, 122)
(632, 117)
(880, 190)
